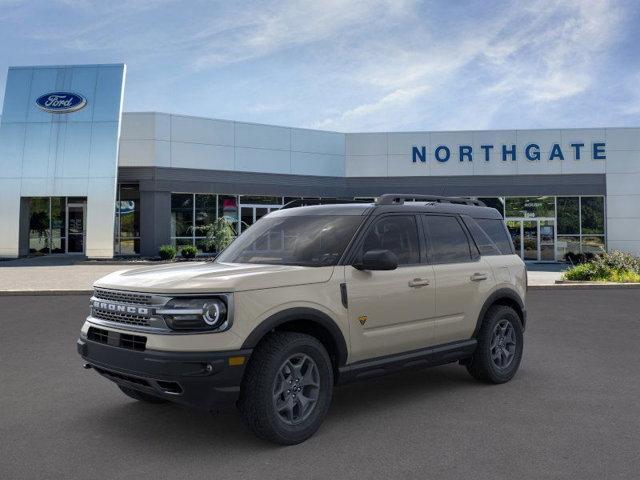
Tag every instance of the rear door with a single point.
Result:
(463, 278)
(391, 311)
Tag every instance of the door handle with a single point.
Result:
(477, 277)
(418, 282)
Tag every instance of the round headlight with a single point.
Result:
(214, 313)
(194, 313)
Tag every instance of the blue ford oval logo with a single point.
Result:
(61, 102)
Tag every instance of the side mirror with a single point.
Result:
(378, 260)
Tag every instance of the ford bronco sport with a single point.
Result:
(310, 297)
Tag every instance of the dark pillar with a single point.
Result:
(23, 234)
(155, 221)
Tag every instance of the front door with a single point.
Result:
(391, 311)
(534, 239)
(75, 227)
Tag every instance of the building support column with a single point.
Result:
(155, 221)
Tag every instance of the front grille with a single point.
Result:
(116, 339)
(119, 317)
(130, 298)
(133, 342)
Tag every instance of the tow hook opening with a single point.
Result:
(172, 388)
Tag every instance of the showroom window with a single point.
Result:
(127, 227)
(580, 225)
(530, 207)
(188, 212)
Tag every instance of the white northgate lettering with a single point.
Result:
(57, 101)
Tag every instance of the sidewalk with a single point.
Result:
(51, 275)
(58, 275)
(544, 273)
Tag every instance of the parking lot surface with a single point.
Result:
(573, 410)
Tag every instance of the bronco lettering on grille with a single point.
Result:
(117, 308)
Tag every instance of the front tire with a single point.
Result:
(500, 345)
(287, 388)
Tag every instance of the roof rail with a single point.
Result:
(305, 202)
(400, 198)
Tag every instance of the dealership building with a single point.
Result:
(79, 176)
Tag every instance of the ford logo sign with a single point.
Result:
(61, 102)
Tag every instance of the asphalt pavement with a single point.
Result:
(572, 411)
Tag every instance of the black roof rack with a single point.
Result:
(305, 202)
(399, 199)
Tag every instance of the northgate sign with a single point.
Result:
(532, 152)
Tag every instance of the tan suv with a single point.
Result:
(310, 297)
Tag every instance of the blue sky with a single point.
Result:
(347, 65)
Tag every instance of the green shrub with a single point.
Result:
(607, 267)
(219, 234)
(167, 252)
(189, 251)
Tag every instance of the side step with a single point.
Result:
(424, 357)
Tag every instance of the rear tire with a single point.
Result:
(287, 388)
(141, 396)
(500, 345)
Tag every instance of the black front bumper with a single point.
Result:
(197, 379)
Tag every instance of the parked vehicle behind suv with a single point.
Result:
(310, 297)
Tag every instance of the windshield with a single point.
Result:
(311, 241)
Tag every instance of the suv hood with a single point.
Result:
(206, 277)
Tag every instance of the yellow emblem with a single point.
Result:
(362, 319)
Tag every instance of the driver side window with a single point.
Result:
(396, 233)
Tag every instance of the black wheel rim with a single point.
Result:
(296, 389)
(503, 344)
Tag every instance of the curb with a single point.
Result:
(584, 286)
(40, 293)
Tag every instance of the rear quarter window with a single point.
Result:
(493, 230)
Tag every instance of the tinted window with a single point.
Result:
(495, 230)
(482, 240)
(449, 243)
(396, 233)
(313, 240)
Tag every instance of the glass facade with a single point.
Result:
(127, 227)
(191, 211)
(57, 225)
(546, 228)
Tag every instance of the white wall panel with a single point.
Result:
(366, 144)
(623, 206)
(623, 184)
(313, 141)
(139, 126)
(140, 153)
(303, 163)
(198, 155)
(623, 161)
(262, 136)
(400, 143)
(366, 166)
(201, 130)
(623, 139)
(401, 165)
(263, 160)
